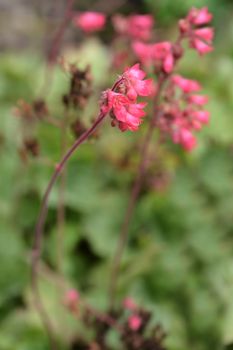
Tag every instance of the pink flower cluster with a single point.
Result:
(155, 54)
(180, 116)
(121, 102)
(163, 55)
(183, 115)
(194, 28)
(89, 21)
(135, 26)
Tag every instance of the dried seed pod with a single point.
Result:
(80, 88)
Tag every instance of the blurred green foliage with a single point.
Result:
(179, 261)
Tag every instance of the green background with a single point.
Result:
(179, 261)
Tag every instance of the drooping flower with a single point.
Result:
(144, 52)
(185, 137)
(158, 53)
(193, 27)
(126, 114)
(181, 113)
(202, 40)
(90, 21)
(133, 79)
(137, 27)
(202, 116)
(163, 52)
(186, 85)
(206, 34)
(199, 100)
(201, 46)
(121, 101)
(199, 17)
(140, 26)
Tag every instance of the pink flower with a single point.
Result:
(143, 51)
(181, 114)
(199, 100)
(120, 24)
(202, 40)
(186, 85)
(129, 304)
(125, 113)
(200, 46)
(199, 38)
(121, 100)
(199, 17)
(202, 116)
(134, 322)
(135, 26)
(187, 140)
(163, 52)
(90, 21)
(206, 34)
(135, 85)
(184, 137)
(168, 63)
(140, 26)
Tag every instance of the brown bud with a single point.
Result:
(32, 147)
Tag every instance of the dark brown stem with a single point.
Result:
(37, 246)
(132, 202)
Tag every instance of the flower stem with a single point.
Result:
(132, 202)
(37, 246)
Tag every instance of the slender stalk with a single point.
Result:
(37, 246)
(61, 198)
(132, 202)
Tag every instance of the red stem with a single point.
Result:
(40, 226)
(61, 213)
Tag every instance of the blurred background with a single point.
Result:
(179, 261)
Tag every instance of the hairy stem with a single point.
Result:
(37, 246)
